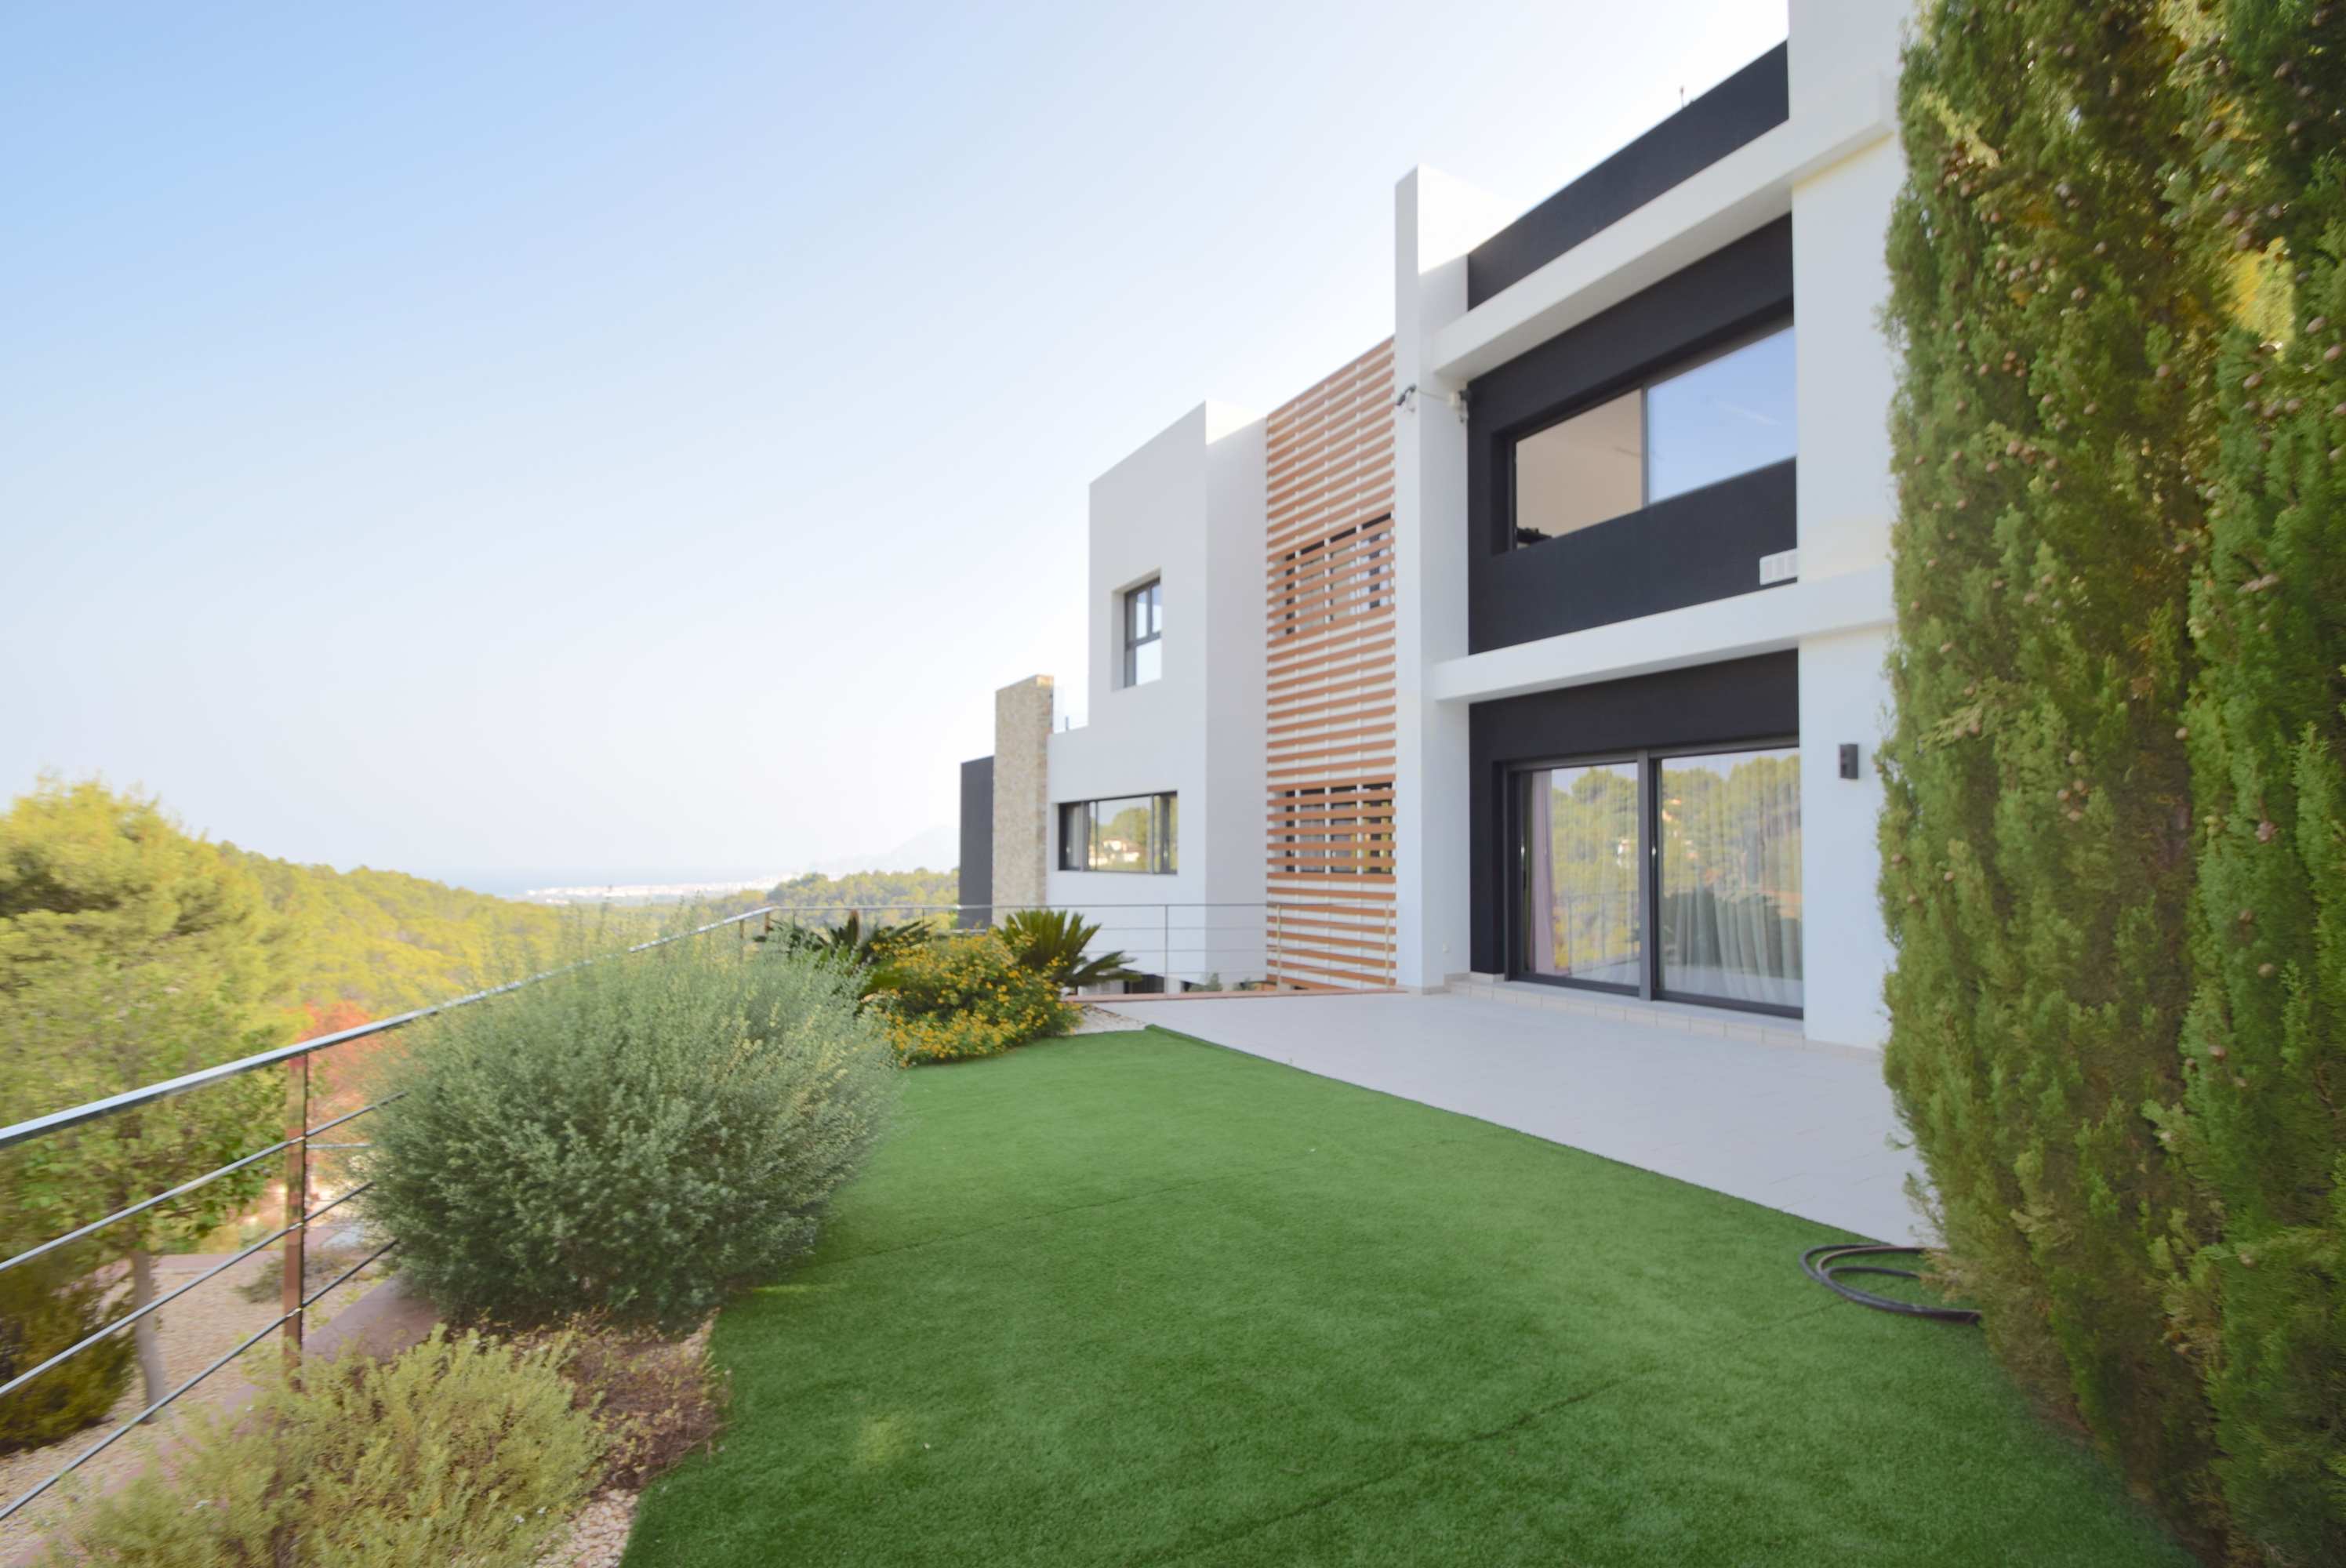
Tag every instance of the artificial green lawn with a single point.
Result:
(1136, 1298)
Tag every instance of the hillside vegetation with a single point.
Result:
(2115, 830)
(820, 899)
(379, 942)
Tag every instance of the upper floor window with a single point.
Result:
(1144, 633)
(1721, 416)
(1134, 833)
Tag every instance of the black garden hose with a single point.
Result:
(1825, 1266)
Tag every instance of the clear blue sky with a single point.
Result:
(481, 440)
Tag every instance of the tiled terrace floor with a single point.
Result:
(1802, 1129)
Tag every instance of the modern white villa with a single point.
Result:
(1540, 646)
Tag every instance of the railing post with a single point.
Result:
(297, 1203)
(1167, 911)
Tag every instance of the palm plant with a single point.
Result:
(851, 943)
(1052, 942)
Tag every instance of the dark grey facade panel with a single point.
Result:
(1740, 109)
(1738, 700)
(1693, 548)
(976, 884)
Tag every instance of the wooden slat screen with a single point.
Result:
(1329, 611)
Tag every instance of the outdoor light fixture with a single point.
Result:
(1405, 401)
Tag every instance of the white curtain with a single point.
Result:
(1731, 874)
(1582, 902)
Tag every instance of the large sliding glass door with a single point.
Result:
(1729, 865)
(1664, 875)
(1584, 877)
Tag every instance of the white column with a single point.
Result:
(1833, 40)
(1844, 699)
(1846, 374)
(1436, 221)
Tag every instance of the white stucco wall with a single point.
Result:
(1186, 508)
(1436, 221)
(1845, 374)
(1844, 698)
(1833, 40)
(1846, 377)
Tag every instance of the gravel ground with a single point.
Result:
(598, 1536)
(196, 1329)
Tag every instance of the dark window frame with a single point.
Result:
(1164, 835)
(1128, 601)
(1514, 919)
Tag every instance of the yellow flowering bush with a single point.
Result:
(964, 997)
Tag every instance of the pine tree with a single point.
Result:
(129, 952)
(2057, 336)
(2266, 1044)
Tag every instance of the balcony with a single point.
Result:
(1692, 549)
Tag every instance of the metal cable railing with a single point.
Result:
(300, 1214)
(1240, 950)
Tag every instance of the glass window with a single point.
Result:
(1677, 877)
(1584, 918)
(1725, 415)
(1144, 629)
(1585, 470)
(1122, 834)
(1131, 833)
(1730, 877)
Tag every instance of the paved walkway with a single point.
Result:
(1800, 1130)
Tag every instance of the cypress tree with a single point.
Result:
(2265, 1102)
(2057, 336)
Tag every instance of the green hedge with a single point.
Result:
(2113, 841)
(2266, 1044)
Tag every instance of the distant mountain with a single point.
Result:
(936, 848)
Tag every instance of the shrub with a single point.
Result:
(45, 1306)
(637, 1137)
(462, 1449)
(851, 943)
(965, 996)
(1052, 942)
